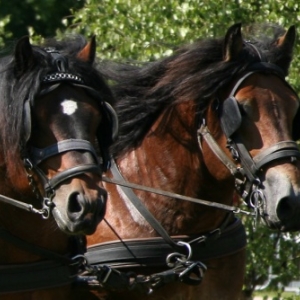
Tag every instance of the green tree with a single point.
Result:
(149, 29)
(34, 17)
(272, 257)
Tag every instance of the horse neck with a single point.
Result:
(27, 226)
(172, 161)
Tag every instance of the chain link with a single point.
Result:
(30, 173)
(47, 202)
(256, 202)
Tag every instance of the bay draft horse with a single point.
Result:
(56, 124)
(215, 117)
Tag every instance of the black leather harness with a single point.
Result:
(53, 270)
(108, 263)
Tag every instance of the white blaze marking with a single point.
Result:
(69, 107)
(135, 214)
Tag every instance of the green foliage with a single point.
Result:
(149, 29)
(34, 17)
(270, 255)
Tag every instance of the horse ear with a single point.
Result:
(286, 46)
(233, 43)
(88, 53)
(24, 57)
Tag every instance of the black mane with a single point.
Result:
(16, 88)
(194, 72)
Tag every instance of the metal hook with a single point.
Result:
(188, 246)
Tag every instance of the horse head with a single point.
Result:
(252, 118)
(66, 127)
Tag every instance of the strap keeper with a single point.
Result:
(113, 279)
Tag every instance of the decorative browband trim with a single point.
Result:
(62, 76)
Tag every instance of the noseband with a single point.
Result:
(246, 177)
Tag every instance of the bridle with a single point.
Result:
(246, 176)
(33, 157)
(59, 269)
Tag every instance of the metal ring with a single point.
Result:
(257, 203)
(28, 164)
(172, 255)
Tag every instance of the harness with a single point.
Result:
(55, 269)
(107, 264)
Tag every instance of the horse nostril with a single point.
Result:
(75, 206)
(284, 210)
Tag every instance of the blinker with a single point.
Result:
(230, 116)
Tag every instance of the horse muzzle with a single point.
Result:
(282, 207)
(82, 213)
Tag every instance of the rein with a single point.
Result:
(229, 208)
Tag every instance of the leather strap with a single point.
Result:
(152, 252)
(282, 149)
(142, 208)
(38, 155)
(34, 276)
(204, 132)
(31, 248)
(72, 172)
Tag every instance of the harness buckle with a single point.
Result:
(193, 274)
(112, 279)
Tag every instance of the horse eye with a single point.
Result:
(242, 109)
(246, 109)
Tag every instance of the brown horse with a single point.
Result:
(56, 123)
(213, 118)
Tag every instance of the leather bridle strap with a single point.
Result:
(231, 119)
(204, 132)
(20, 204)
(284, 149)
(38, 155)
(72, 172)
(121, 182)
(280, 150)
